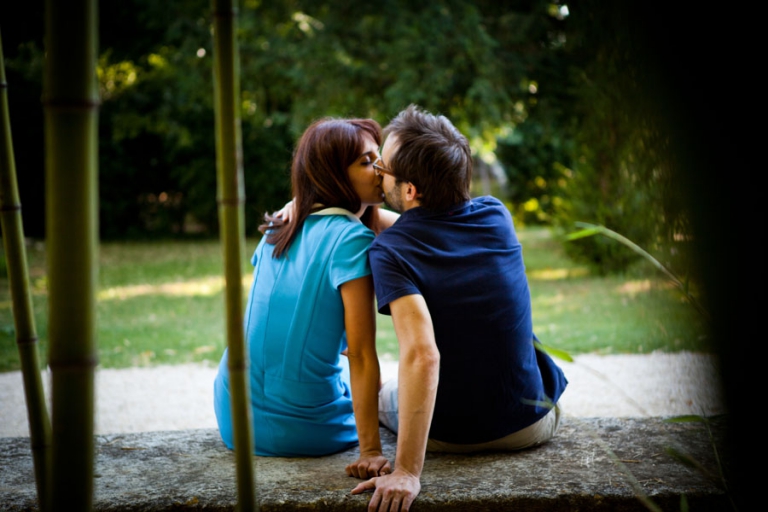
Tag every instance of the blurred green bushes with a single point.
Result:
(561, 103)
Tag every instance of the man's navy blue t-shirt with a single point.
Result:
(467, 263)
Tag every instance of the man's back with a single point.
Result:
(467, 264)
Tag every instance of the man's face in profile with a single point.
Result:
(392, 190)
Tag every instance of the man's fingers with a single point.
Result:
(373, 505)
(368, 485)
(385, 469)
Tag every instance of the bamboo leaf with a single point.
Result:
(584, 233)
(554, 352)
(686, 460)
(684, 503)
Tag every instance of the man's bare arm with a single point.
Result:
(417, 389)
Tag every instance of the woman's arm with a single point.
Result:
(360, 324)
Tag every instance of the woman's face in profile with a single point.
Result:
(364, 178)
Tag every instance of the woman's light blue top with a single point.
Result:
(294, 327)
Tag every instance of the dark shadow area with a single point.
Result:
(701, 69)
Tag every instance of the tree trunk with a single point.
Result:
(70, 98)
(230, 198)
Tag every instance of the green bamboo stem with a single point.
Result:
(70, 98)
(21, 297)
(230, 198)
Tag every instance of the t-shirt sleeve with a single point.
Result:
(391, 279)
(261, 249)
(350, 257)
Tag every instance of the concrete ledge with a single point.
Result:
(192, 470)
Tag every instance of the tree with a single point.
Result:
(595, 137)
(557, 104)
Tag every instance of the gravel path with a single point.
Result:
(181, 397)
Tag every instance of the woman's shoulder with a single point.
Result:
(333, 231)
(342, 224)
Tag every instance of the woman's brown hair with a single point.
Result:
(319, 176)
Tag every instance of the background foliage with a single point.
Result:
(553, 97)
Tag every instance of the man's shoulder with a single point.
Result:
(491, 211)
(385, 239)
(488, 202)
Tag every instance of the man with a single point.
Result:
(450, 272)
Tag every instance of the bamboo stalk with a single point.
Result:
(70, 98)
(230, 198)
(21, 298)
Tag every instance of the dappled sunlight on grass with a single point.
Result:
(636, 287)
(553, 274)
(531, 233)
(205, 286)
(550, 300)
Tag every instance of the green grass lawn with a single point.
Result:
(577, 312)
(161, 302)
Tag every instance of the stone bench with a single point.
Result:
(578, 470)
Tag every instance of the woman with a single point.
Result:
(311, 300)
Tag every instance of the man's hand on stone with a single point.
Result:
(369, 465)
(392, 493)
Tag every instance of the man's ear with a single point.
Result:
(411, 194)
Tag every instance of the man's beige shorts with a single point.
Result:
(533, 435)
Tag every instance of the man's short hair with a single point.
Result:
(433, 155)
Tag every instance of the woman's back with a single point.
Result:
(294, 328)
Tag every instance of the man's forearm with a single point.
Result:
(417, 388)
